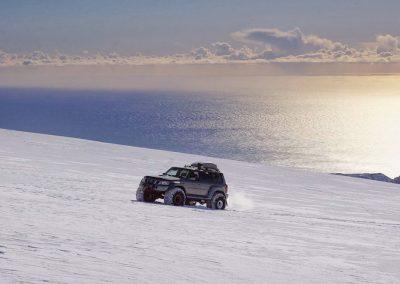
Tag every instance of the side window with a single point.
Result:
(216, 178)
(205, 177)
(193, 176)
(184, 173)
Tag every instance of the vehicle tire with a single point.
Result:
(175, 196)
(217, 202)
(143, 195)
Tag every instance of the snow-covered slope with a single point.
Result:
(66, 216)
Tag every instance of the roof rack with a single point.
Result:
(205, 166)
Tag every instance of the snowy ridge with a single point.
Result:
(66, 217)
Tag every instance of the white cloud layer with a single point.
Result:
(387, 45)
(251, 46)
(285, 42)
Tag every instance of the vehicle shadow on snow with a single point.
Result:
(195, 207)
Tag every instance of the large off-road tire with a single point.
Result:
(217, 202)
(144, 195)
(175, 196)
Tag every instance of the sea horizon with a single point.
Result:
(329, 123)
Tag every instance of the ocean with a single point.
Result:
(324, 123)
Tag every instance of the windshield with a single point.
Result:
(177, 172)
(172, 172)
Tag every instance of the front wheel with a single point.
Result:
(175, 196)
(218, 202)
(145, 195)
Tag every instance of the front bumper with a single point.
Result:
(161, 188)
(158, 188)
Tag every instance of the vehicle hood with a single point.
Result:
(164, 177)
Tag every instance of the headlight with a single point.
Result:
(163, 182)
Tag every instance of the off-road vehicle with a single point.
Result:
(198, 182)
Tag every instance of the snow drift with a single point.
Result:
(66, 217)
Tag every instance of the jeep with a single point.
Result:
(196, 183)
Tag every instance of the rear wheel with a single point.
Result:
(175, 196)
(218, 201)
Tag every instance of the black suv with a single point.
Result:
(198, 182)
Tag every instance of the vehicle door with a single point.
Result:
(191, 183)
(205, 182)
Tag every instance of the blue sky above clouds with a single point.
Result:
(271, 29)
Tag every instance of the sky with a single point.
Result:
(164, 28)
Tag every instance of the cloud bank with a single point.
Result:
(292, 42)
(248, 46)
(387, 45)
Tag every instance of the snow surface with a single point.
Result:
(66, 216)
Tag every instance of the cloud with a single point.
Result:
(387, 45)
(249, 46)
(201, 53)
(222, 49)
(6, 58)
(285, 42)
(242, 54)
